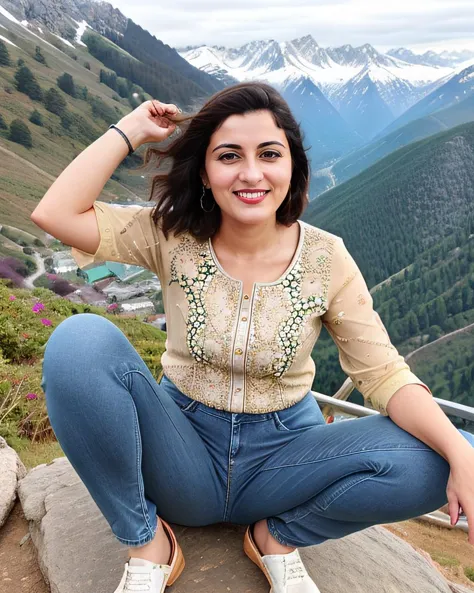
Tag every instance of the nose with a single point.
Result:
(251, 172)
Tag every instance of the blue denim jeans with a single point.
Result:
(144, 449)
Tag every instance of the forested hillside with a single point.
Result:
(364, 157)
(430, 291)
(404, 204)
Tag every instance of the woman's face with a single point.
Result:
(248, 167)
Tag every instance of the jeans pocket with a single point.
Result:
(301, 416)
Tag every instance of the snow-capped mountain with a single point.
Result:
(370, 102)
(369, 89)
(448, 59)
(454, 89)
(326, 133)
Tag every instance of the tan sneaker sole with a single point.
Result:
(177, 563)
(250, 548)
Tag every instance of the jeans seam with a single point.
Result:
(346, 455)
(136, 542)
(157, 397)
(139, 478)
(274, 532)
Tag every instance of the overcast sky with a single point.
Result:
(417, 24)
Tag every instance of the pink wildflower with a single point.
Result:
(37, 307)
(46, 321)
(12, 297)
(31, 396)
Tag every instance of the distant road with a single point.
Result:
(445, 337)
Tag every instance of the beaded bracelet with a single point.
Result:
(130, 147)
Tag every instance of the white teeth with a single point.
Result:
(249, 196)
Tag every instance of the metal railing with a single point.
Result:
(338, 401)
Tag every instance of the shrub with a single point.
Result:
(55, 102)
(102, 110)
(20, 133)
(36, 118)
(87, 65)
(4, 54)
(3, 123)
(39, 56)
(469, 572)
(6, 271)
(66, 83)
(67, 120)
(26, 82)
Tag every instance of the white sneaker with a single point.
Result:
(147, 577)
(286, 573)
(142, 575)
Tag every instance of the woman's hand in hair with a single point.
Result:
(152, 121)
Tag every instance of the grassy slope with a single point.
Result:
(21, 187)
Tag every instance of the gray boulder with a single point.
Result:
(77, 551)
(11, 470)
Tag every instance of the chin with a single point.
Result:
(263, 215)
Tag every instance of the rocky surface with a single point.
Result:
(11, 470)
(61, 16)
(78, 552)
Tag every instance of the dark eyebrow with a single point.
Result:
(237, 146)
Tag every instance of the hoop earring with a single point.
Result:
(202, 196)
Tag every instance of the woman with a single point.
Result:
(232, 432)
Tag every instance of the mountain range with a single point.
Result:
(345, 96)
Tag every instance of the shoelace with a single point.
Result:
(137, 581)
(294, 570)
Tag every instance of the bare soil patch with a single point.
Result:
(18, 565)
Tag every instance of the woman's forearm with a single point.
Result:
(80, 184)
(415, 410)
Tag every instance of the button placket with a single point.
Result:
(239, 353)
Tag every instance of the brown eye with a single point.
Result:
(272, 153)
(227, 154)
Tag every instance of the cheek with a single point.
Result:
(221, 176)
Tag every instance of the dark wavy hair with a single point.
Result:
(178, 192)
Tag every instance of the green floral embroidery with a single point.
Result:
(290, 329)
(194, 289)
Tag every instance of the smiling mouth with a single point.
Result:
(249, 195)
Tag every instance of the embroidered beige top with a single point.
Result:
(252, 352)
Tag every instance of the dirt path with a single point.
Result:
(441, 339)
(51, 177)
(19, 568)
(27, 163)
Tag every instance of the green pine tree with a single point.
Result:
(39, 56)
(66, 83)
(20, 133)
(4, 54)
(36, 118)
(54, 101)
(26, 82)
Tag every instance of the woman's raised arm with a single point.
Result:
(79, 185)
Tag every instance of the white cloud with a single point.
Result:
(413, 23)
